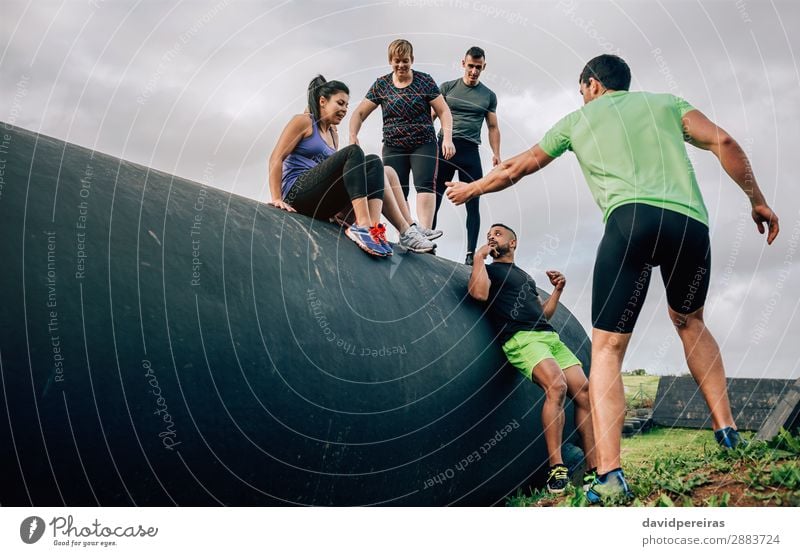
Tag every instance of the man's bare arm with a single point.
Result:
(493, 127)
(559, 281)
(705, 134)
(505, 174)
(479, 283)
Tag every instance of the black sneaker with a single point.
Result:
(557, 479)
(469, 260)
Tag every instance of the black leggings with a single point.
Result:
(419, 160)
(334, 183)
(467, 161)
(637, 238)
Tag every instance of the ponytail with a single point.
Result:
(318, 88)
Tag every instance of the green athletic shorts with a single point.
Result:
(528, 348)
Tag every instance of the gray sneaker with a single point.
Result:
(427, 232)
(413, 240)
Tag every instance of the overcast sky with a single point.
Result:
(202, 89)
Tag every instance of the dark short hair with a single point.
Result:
(319, 87)
(610, 70)
(475, 52)
(513, 233)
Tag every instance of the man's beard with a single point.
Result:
(500, 251)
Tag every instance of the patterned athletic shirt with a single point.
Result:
(406, 112)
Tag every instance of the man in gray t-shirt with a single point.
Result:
(471, 102)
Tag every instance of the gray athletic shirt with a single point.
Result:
(469, 106)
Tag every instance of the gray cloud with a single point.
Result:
(179, 86)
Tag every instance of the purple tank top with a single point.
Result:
(308, 153)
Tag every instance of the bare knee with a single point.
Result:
(581, 396)
(610, 343)
(556, 390)
(687, 322)
(391, 175)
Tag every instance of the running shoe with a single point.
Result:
(363, 238)
(428, 233)
(378, 233)
(469, 260)
(557, 479)
(728, 438)
(609, 488)
(413, 240)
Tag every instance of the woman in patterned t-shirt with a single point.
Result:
(409, 140)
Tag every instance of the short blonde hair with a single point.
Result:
(400, 48)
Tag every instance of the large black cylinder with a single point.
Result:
(164, 342)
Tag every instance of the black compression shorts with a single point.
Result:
(637, 238)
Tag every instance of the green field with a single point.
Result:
(638, 450)
(640, 390)
(684, 467)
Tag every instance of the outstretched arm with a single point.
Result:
(479, 283)
(361, 113)
(559, 281)
(705, 134)
(504, 174)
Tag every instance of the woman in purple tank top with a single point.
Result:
(307, 174)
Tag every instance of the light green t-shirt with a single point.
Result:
(631, 149)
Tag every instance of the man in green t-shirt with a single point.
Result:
(631, 149)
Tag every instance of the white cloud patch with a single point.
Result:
(180, 85)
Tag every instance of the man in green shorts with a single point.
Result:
(631, 148)
(531, 344)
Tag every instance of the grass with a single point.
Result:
(640, 390)
(638, 450)
(683, 467)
